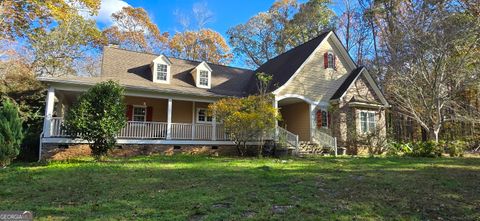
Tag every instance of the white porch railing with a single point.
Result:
(179, 131)
(56, 129)
(287, 137)
(326, 140)
(144, 130)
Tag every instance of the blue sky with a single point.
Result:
(226, 13)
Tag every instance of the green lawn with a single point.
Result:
(217, 188)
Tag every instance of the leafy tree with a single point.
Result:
(133, 30)
(98, 119)
(248, 119)
(287, 24)
(63, 49)
(18, 82)
(311, 20)
(203, 45)
(430, 57)
(19, 18)
(261, 37)
(11, 132)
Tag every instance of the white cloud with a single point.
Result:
(107, 8)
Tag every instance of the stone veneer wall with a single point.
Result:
(345, 118)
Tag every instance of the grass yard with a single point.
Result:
(216, 188)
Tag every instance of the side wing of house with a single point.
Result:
(313, 89)
(359, 110)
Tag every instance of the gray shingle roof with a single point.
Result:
(133, 68)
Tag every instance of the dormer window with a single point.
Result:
(162, 72)
(203, 81)
(161, 69)
(329, 60)
(202, 75)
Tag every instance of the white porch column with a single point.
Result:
(169, 119)
(194, 111)
(312, 121)
(275, 105)
(47, 122)
(214, 128)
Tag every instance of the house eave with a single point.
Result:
(80, 86)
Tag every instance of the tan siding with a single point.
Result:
(314, 81)
(182, 111)
(296, 119)
(159, 106)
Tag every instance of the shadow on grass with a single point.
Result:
(184, 187)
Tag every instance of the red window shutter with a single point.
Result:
(129, 112)
(319, 118)
(329, 120)
(149, 113)
(325, 60)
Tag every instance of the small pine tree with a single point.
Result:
(98, 116)
(11, 132)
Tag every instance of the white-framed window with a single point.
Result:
(139, 113)
(203, 78)
(202, 116)
(162, 72)
(367, 121)
(324, 118)
(330, 60)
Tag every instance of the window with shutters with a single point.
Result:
(330, 60)
(322, 118)
(367, 121)
(139, 113)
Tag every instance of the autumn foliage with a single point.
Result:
(203, 45)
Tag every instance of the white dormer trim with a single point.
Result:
(202, 67)
(161, 60)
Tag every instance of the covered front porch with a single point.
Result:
(154, 119)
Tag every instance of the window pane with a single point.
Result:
(371, 122)
(324, 119)
(161, 72)
(330, 60)
(201, 115)
(363, 122)
(139, 113)
(139, 110)
(203, 78)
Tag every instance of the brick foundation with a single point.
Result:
(64, 152)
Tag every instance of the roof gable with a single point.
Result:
(285, 65)
(162, 59)
(350, 80)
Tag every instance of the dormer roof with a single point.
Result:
(162, 58)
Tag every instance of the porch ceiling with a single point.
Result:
(290, 100)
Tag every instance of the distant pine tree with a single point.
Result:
(11, 132)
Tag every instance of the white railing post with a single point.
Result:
(335, 146)
(47, 122)
(297, 144)
(275, 136)
(214, 129)
(193, 119)
(169, 119)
